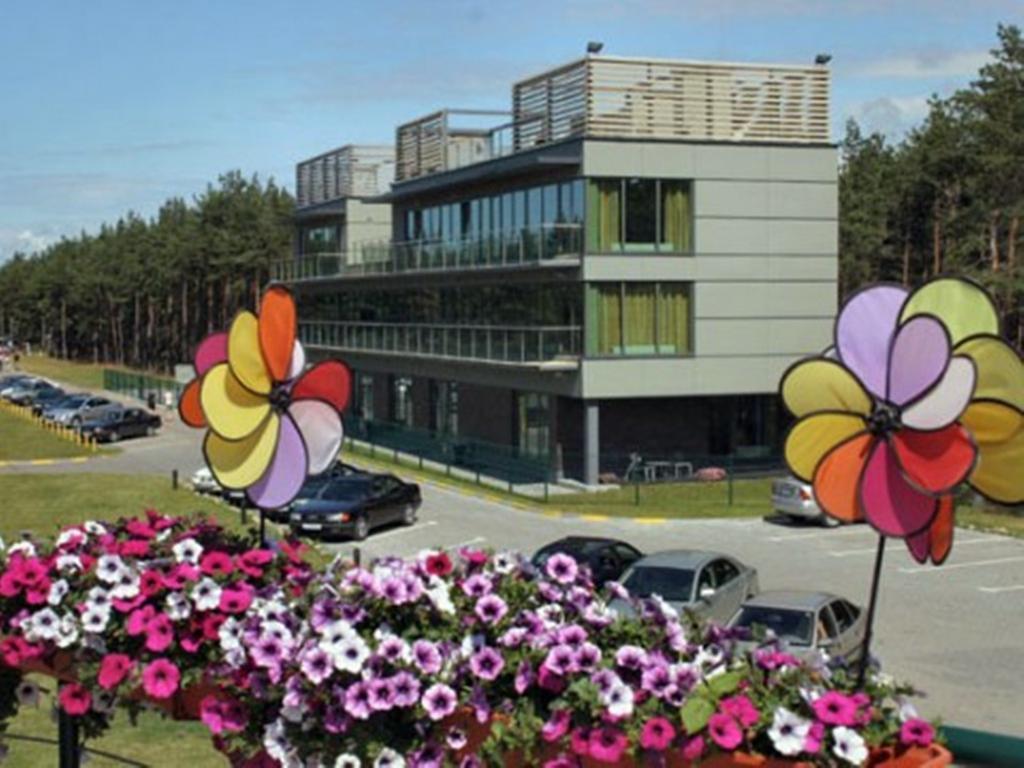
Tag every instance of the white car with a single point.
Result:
(203, 481)
(794, 498)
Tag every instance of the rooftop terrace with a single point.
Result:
(349, 171)
(626, 98)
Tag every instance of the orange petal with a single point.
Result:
(941, 532)
(838, 475)
(277, 331)
(189, 410)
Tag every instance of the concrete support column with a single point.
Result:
(591, 442)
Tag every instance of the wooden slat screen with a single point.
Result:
(351, 171)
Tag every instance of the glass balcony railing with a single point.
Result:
(503, 344)
(549, 242)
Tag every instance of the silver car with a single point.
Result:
(793, 497)
(75, 410)
(709, 584)
(806, 622)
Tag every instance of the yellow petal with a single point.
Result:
(991, 422)
(1000, 370)
(963, 307)
(999, 474)
(231, 410)
(244, 354)
(823, 385)
(814, 436)
(238, 464)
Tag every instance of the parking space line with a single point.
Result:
(822, 532)
(872, 550)
(461, 544)
(995, 590)
(398, 531)
(975, 564)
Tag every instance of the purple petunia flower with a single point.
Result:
(317, 665)
(486, 663)
(572, 635)
(561, 660)
(427, 657)
(524, 677)
(439, 701)
(405, 689)
(562, 568)
(382, 697)
(477, 585)
(357, 700)
(393, 649)
(605, 680)
(657, 680)
(491, 609)
(630, 657)
(588, 656)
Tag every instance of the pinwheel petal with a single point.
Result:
(998, 475)
(189, 408)
(330, 381)
(238, 464)
(814, 436)
(285, 472)
(965, 309)
(298, 361)
(891, 505)
(936, 541)
(211, 351)
(231, 410)
(864, 329)
(277, 331)
(321, 430)
(919, 356)
(947, 401)
(244, 354)
(936, 461)
(992, 422)
(823, 385)
(837, 475)
(1000, 370)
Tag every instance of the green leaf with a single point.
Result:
(696, 712)
(724, 684)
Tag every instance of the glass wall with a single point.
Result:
(364, 396)
(322, 239)
(401, 400)
(444, 396)
(639, 216)
(639, 319)
(534, 423)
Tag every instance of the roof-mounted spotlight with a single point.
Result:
(594, 46)
(822, 59)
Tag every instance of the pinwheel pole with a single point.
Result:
(869, 622)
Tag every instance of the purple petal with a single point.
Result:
(211, 351)
(286, 473)
(863, 331)
(321, 430)
(920, 354)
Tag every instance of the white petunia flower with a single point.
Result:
(188, 551)
(95, 621)
(69, 564)
(849, 746)
(109, 569)
(28, 693)
(347, 760)
(67, 632)
(58, 591)
(788, 732)
(127, 585)
(104, 702)
(230, 634)
(206, 594)
(96, 529)
(350, 654)
(388, 758)
(178, 606)
(70, 537)
(26, 548)
(619, 701)
(42, 625)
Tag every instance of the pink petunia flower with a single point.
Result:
(556, 727)
(236, 599)
(114, 668)
(657, 734)
(741, 708)
(75, 699)
(253, 562)
(916, 731)
(812, 743)
(835, 708)
(694, 748)
(725, 731)
(216, 564)
(160, 679)
(159, 633)
(607, 744)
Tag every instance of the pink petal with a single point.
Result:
(320, 427)
(889, 502)
(864, 329)
(286, 473)
(211, 351)
(920, 354)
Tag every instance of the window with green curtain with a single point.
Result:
(675, 215)
(604, 319)
(604, 215)
(674, 319)
(639, 318)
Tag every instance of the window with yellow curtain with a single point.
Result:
(674, 319)
(604, 319)
(638, 318)
(604, 215)
(676, 221)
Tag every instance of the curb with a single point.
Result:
(47, 462)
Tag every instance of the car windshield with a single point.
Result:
(346, 491)
(311, 488)
(72, 402)
(580, 551)
(672, 584)
(788, 624)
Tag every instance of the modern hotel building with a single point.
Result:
(624, 262)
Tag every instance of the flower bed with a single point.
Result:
(467, 660)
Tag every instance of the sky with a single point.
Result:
(108, 106)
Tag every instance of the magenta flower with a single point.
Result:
(741, 708)
(657, 734)
(835, 708)
(114, 668)
(222, 715)
(216, 564)
(159, 633)
(725, 731)
(439, 701)
(74, 699)
(253, 562)
(160, 679)
(916, 731)
(814, 738)
(562, 568)
(557, 726)
(694, 748)
(607, 744)
(486, 663)
(235, 599)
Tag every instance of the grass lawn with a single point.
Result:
(84, 375)
(21, 439)
(992, 519)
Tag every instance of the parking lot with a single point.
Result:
(956, 630)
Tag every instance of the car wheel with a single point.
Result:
(361, 529)
(114, 437)
(828, 521)
(76, 423)
(150, 431)
(409, 515)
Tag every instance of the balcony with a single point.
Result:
(617, 97)
(349, 171)
(551, 244)
(549, 347)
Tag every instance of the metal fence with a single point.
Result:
(165, 391)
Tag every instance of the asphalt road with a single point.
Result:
(956, 631)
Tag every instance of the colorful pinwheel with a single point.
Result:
(271, 424)
(918, 395)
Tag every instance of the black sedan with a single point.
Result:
(607, 558)
(43, 398)
(116, 425)
(352, 505)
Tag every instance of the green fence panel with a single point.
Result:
(142, 385)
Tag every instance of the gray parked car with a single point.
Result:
(74, 410)
(794, 498)
(806, 622)
(17, 390)
(710, 584)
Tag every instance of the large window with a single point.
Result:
(401, 400)
(638, 319)
(325, 239)
(444, 397)
(364, 396)
(534, 423)
(639, 216)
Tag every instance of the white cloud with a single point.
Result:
(924, 64)
(27, 241)
(892, 116)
